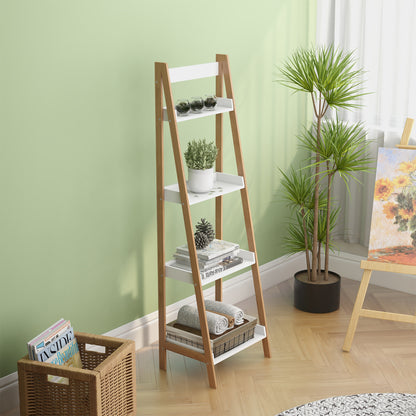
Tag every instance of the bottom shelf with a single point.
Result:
(259, 334)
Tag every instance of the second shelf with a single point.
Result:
(224, 184)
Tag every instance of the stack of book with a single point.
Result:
(56, 345)
(218, 256)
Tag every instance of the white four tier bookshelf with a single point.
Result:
(178, 193)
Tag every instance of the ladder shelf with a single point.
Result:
(178, 193)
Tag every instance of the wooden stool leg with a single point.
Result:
(357, 309)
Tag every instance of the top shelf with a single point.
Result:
(190, 72)
(224, 105)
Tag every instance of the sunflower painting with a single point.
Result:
(393, 223)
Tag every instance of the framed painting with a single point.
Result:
(393, 221)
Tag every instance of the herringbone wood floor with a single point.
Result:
(307, 361)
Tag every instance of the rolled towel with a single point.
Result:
(188, 316)
(221, 307)
(229, 317)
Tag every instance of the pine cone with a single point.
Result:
(201, 240)
(205, 227)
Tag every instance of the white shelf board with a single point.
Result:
(190, 72)
(224, 105)
(174, 272)
(259, 334)
(224, 183)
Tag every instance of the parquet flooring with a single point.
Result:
(307, 361)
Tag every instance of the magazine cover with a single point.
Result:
(69, 356)
(54, 346)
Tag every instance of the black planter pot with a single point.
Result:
(317, 297)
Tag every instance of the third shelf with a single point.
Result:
(177, 273)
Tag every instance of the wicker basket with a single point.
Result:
(220, 344)
(105, 386)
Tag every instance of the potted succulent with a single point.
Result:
(332, 147)
(200, 157)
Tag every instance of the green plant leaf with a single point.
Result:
(200, 154)
(327, 74)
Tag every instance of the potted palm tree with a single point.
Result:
(332, 147)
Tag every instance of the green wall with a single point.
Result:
(77, 155)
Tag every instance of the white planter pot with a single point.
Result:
(200, 181)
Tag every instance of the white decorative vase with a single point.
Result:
(200, 181)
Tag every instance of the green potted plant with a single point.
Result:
(332, 147)
(200, 157)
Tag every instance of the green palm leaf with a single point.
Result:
(324, 72)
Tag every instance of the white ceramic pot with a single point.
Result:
(200, 181)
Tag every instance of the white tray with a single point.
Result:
(224, 183)
(224, 105)
(175, 272)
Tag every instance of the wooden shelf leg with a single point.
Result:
(188, 225)
(211, 375)
(219, 164)
(162, 358)
(357, 310)
(260, 307)
(160, 217)
(225, 69)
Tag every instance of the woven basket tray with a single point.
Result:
(220, 344)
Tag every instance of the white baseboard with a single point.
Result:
(144, 331)
(9, 394)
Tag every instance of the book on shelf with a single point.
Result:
(215, 248)
(223, 265)
(204, 264)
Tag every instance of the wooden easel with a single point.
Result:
(368, 266)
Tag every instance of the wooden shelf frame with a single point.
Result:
(164, 77)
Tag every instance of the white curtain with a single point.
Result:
(382, 34)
